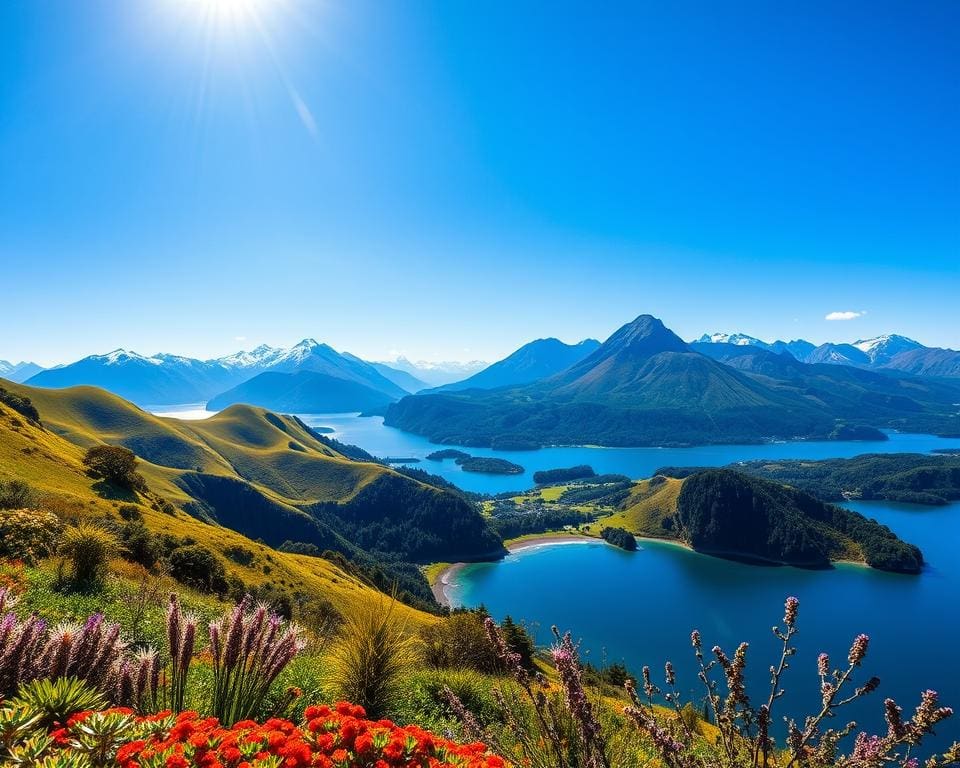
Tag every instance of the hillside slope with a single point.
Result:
(53, 465)
(727, 513)
(270, 477)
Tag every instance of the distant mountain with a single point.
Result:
(534, 361)
(643, 386)
(436, 374)
(850, 393)
(798, 348)
(160, 379)
(926, 361)
(740, 339)
(891, 352)
(882, 349)
(406, 381)
(164, 379)
(18, 372)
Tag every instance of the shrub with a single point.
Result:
(28, 534)
(139, 545)
(20, 404)
(372, 652)
(55, 700)
(250, 647)
(459, 641)
(17, 494)
(196, 566)
(116, 465)
(130, 512)
(89, 549)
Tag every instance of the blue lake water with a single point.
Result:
(640, 607)
(371, 435)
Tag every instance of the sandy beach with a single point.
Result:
(447, 576)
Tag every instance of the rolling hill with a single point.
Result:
(267, 477)
(53, 466)
(645, 386)
(724, 512)
(537, 360)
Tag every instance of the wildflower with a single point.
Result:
(858, 650)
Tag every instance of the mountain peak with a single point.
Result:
(645, 335)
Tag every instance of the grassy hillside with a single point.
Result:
(269, 477)
(53, 466)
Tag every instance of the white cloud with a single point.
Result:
(848, 315)
(239, 338)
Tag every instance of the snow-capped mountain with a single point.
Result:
(740, 339)
(164, 379)
(18, 371)
(891, 351)
(882, 348)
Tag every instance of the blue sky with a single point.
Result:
(449, 180)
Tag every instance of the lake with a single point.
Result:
(371, 435)
(639, 608)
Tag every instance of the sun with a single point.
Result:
(234, 13)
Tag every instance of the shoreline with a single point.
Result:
(445, 577)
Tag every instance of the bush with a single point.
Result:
(130, 512)
(459, 641)
(89, 549)
(53, 701)
(139, 545)
(20, 404)
(16, 494)
(28, 534)
(369, 658)
(196, 566)
(116, 465)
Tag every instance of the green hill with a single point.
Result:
(727, 513)
(270, 478)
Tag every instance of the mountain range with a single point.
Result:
(646, 386)
(18, 372)
(891, 352)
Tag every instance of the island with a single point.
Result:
(490, 466)
(564, 475)
(482, 464)
(619, 537)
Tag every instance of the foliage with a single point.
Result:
(54, 700)
(115, 464)
(19, 403)
(620, 538)
(724, 511)
(904, 477)
(329, 737)
(196, 566)
(491, 466)
(17, 494)
(28, 534)
(250, 647)
(459, 641)
(547, 730)
(553, 476)
(372, 652)
(88, 548)
(510, 526)
(30, 650)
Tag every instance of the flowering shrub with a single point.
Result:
(574, 736)
(330, 737)
(28, 534)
